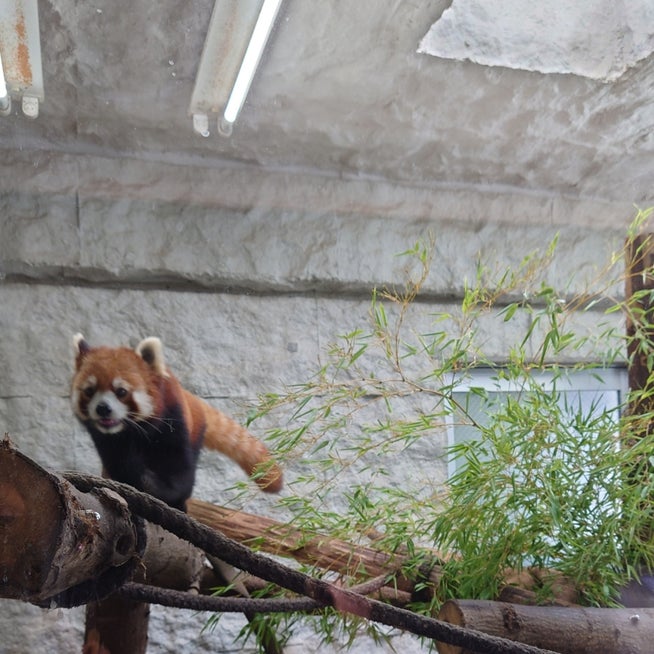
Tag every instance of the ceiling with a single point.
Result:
(342, 92)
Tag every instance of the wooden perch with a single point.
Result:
(63, 547)
(640, 318)
(570, 630)
(321, 551)
(70, 536)
(87, 535)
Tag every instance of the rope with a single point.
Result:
(325, 594)
(183, 600)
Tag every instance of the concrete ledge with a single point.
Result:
(129, 223)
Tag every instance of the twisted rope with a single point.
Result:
(183, 600)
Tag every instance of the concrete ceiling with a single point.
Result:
(342, 92)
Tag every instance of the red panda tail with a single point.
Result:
(231, 439)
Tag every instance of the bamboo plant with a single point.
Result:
(544, 483)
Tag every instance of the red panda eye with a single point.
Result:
(89, 391)
(120, 393)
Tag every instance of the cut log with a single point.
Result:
(53, 538)
(86, 534)
(60, 547)
(349, 560)
(568, 630)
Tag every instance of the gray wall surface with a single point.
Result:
(245, 293)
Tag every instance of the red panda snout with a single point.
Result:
(111, 407)
(107, 412)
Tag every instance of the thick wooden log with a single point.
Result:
(639, 292)
(568, 630)
(349, 560)
(53, 538)
(62, 547)
(116, 626)
(59, 547)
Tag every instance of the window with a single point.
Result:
(591, 391)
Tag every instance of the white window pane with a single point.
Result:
(583, 393)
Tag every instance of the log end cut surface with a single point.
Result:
(27, 496)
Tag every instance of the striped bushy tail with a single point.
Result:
(234, 441)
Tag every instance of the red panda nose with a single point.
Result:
(103, 410)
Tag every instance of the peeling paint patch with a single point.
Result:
(20, 47)
(598, 39)
(22, 59)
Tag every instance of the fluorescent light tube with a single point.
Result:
(5, 98)
(250, 62)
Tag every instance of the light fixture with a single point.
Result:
(237, 35)
(21, 73)
(5, 98)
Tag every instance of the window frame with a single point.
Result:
(612, 379)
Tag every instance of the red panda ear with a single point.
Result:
(82, 348)
(151, 351)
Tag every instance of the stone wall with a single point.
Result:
(246, 276)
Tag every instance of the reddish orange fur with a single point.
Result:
(231, 439)
(204, 423)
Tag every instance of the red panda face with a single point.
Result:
(111, 388)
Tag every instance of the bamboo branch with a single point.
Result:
(358, 561)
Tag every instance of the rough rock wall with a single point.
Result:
(245, 292)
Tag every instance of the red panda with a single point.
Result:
(148, 430)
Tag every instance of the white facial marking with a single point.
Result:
(144, 404)
(121, 383)
(90, 383)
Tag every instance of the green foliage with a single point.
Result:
(545, 482)
(544, 486)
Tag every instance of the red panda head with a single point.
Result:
(115, 387)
